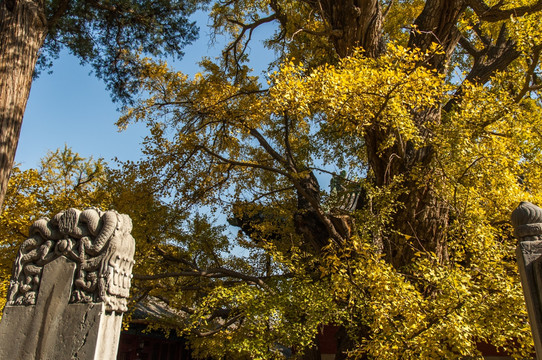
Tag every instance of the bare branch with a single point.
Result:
(244, 28)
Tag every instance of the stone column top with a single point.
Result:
(527, 222)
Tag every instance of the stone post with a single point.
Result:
(69, 288)
(527, 222)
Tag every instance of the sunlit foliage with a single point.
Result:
(439, 136)
(428, 112)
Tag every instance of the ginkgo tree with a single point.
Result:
(431, 109)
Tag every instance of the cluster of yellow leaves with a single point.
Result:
(491, 152)
(285, 316)
(434, 311)
(17, 215)
(360, 92)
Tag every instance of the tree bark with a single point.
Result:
(353, 24)
(421, 223)
(22, 33)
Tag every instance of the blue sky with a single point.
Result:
(72, 107)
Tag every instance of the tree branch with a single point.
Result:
(466, 44)
(493, 58)
(59, 12)
(288, 145)
(268, 148)
(530, 74)
(495, 13)
(243, 163)
(260, 195)
(244, 28)
(172, 258)
(218, 329)
(211, 273)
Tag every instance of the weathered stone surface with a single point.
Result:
(69, 288)
(527, 222)
(99, 243)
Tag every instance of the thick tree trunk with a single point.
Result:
(437, 24)
(22, 33)
(353, 24)
(421, 223)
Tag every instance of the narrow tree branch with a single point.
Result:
(268, 148)
(218, 329)
(243, 163)
(244, 28)
(388, 8)
(288, 145)
(172, 258)
(529, 75)
(478, 31)
(260, 196)
(213, 273)
(466, 44)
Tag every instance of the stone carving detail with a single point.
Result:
(531, 247)
(99, 243)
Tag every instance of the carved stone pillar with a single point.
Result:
(527, 222)
(69, 288)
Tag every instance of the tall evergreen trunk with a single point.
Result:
(22, 33)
